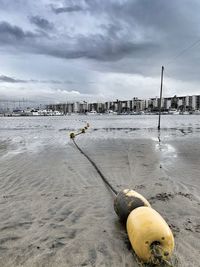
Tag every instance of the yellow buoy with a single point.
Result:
(147, 229)
(126, 201)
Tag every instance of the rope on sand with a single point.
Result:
(72, 136)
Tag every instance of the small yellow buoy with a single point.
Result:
(72, 135)
(126, 201)
(146, 229)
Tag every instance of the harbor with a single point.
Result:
(183, 105)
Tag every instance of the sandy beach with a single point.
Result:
(56, 211)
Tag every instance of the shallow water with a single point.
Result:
(20, 134)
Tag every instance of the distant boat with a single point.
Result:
(93, 112)
(134, 113)
(35, 113)
(185, 113)
(111, 112)
(174, 112)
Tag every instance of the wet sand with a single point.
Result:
(62, 214)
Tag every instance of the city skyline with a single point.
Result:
(182, 103)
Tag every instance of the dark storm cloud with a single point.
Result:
(125, 36)
(13, 35)
(7, 79)
(117, 40)
(10, 79)
(119, 33)
(154, 19)
(41, 22)
(66, 9)
(113, 48)
(168, 26)
(112, 45)
(102, 48)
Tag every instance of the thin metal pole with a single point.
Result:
(160, 102)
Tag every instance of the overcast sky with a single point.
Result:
(61, 50)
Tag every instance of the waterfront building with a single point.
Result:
(181, 103)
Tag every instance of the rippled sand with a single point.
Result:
(56, 211)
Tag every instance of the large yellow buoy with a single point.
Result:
(146, 230)
(126, 201)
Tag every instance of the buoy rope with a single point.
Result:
(93, 163)
(96, 168)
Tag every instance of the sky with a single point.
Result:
(98, 50)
